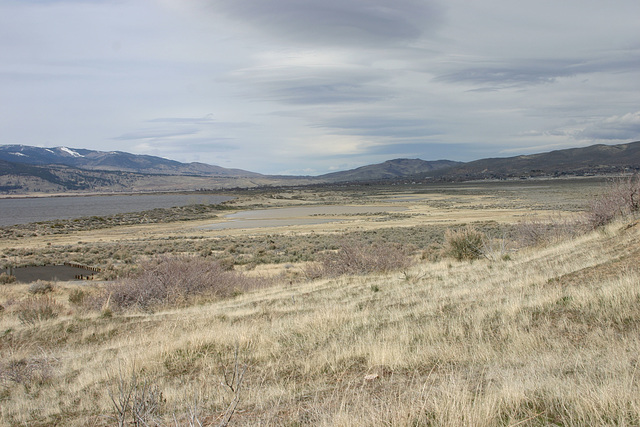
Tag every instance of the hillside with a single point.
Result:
(398, 168)
(595, 159)
(546, 337)
(21, 178)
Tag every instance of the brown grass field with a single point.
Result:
(527, 335)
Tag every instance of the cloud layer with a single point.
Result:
(301, 86)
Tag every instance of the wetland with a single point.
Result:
(269, 228)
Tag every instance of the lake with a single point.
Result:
(36, 209)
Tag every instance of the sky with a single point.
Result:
(306, 87)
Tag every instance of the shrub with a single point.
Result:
(28, 372)
(5, 279)
(77, 296)
(37, 309)
(533, 232)
(176, 281)
(464, 244)
(432, 253)
(359, 257)
(621, 199)
(41, 287)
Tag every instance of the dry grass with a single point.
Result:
(549, 337)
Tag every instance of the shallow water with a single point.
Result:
(301, 215)
(35, 209)
(307, 211)
(63, 273)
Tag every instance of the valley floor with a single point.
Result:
(548, 337)
(545, 335)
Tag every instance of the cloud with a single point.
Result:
(335, 22)
(380, 126)
(205, 120)
(513, 75)
(324, 93)
(157, 133)
(614, 128)
(312, 85)
(276, 85)
(524, 72)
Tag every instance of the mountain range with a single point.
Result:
(27, 169)
(111, 161)
(593, 160)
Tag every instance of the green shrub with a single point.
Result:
(464, 244)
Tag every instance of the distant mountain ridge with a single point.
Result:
(145, 164)
(595, 159)
(25, 169)
(390, 169)
(112, 161)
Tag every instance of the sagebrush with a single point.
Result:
(38, 309)
(178, 280)
(464, 244)
(361, 257)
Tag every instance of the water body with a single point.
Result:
(24, 211)
(302, 215)
(63, 273)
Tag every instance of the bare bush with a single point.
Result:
(621, 199)
(359, 257)
(464, 244)
(233, 380)
(496, 248)
(535, 232)
(174, 281)
(138, 400)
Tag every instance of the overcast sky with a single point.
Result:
(314, 86)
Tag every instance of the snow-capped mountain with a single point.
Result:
(111, 161)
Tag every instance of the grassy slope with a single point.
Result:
(549, 337)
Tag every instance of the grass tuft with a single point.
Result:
(38, 309)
